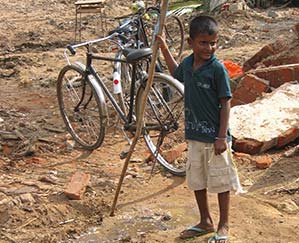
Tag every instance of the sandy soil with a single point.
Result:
(37, 159)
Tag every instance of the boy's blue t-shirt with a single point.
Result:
(203, 89)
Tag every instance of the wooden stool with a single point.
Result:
(87, 7)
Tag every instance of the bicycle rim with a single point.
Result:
(81, 107)
(163, 123)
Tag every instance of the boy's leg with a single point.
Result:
(222, 230)
(206, 223)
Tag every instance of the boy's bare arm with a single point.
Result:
(220, 143)
(169, 59)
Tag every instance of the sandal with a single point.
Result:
(194, 232)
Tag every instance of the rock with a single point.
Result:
(292, 152)
(247, 182)
(27, 198)
(48, 179)
(272, 14)
(5, 201)
(70, 144)
(271, 121)
(288, 206)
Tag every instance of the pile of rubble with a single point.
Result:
(265, 112)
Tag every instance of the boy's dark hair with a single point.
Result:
(203, 25)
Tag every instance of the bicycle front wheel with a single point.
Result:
(163, 123)
(81, 107)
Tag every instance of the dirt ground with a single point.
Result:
(37, 158)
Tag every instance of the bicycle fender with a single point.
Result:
(171, 79)
(99, 91)
(96, 86)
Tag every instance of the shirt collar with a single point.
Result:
(191, 59)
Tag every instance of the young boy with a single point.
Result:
(207, 105)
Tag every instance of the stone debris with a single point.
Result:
(77, 185)
(269, 122)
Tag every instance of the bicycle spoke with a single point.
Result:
(80, 107)
(163, 124)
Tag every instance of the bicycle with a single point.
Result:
(146, 23)
(130, 28)
(138, 34)
(173, 29)
(82, 95)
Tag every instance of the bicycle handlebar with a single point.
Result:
(123, 38)
(71, 48)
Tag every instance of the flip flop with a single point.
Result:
(195, 232)
(218, 237)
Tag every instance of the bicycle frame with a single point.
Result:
(98, 82)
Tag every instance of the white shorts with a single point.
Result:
(205, 170)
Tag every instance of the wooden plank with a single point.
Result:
(89, 10)
(89, 2)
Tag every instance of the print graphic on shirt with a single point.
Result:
(203, 85)
(200, 126)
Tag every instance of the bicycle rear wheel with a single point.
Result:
(174, 33)
(82, 107)
(164, 123)
(173, 30)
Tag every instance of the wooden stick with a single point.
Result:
(142, 105)
(28, 222)
(8, 237)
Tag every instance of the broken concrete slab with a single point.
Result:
(272, 121)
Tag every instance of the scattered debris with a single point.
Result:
(77, 186)
(269, 122)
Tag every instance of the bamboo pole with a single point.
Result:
(164, 7)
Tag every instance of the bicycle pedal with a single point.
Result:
(123, 154)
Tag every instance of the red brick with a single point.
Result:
(248, 146)
(281, 76)
(287, 74)
(296, 73)
(245, 95)
(263, 162)
(35, 160)
(235, 102)
(275, 83)
(77, 185)
(175, 152)
(254, 83)
(259, 56)
(262, 74)
(287, 137)
(150, 156)
(6, 150)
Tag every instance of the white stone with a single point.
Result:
(267, 118)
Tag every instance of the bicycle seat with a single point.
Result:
(134, 55)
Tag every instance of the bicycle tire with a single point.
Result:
(164, 119)
(82, 107)
(174, 32)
